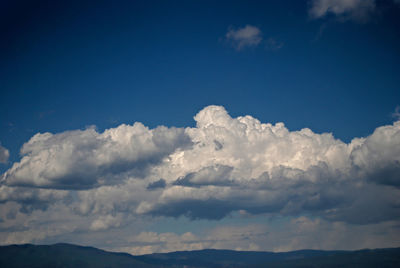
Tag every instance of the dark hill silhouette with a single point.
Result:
(301, 258)
(64, 256)
(67, 255)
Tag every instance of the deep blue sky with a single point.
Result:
(67, 65)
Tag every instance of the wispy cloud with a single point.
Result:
(396, 113)
(248, 36)
(358, 10)
(4, 154)
(274, 44)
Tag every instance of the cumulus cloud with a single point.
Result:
(4, 154)
(221, 166)
(355, 9)
(105, 222)
(265, 168)
(83, 185)
(248, 36)
(30, 199)
(83, 159)
(378, 157)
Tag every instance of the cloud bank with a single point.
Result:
(298, 233)
(222, 167)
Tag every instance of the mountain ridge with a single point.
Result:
(67, 255)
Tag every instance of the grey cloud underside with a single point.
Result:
(347, 199)
(30, 199)
(161, 183)
(221, 166)
(215, 175)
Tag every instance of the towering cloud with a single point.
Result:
(222, 166)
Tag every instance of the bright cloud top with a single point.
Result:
(248, 36)
(85, 158)
(224, 163)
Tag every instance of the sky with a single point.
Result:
(156, 126)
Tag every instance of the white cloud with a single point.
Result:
(248, 36)
(264, 168)
(101, 181)
(4, 154)
(354, 9)
(83, 159)
(105, 222)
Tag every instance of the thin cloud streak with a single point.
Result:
(4, 154)
(358, 10)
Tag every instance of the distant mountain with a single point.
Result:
(67, 255)
(303, 258)
(64, 256)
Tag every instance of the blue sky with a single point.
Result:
(331, 66)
